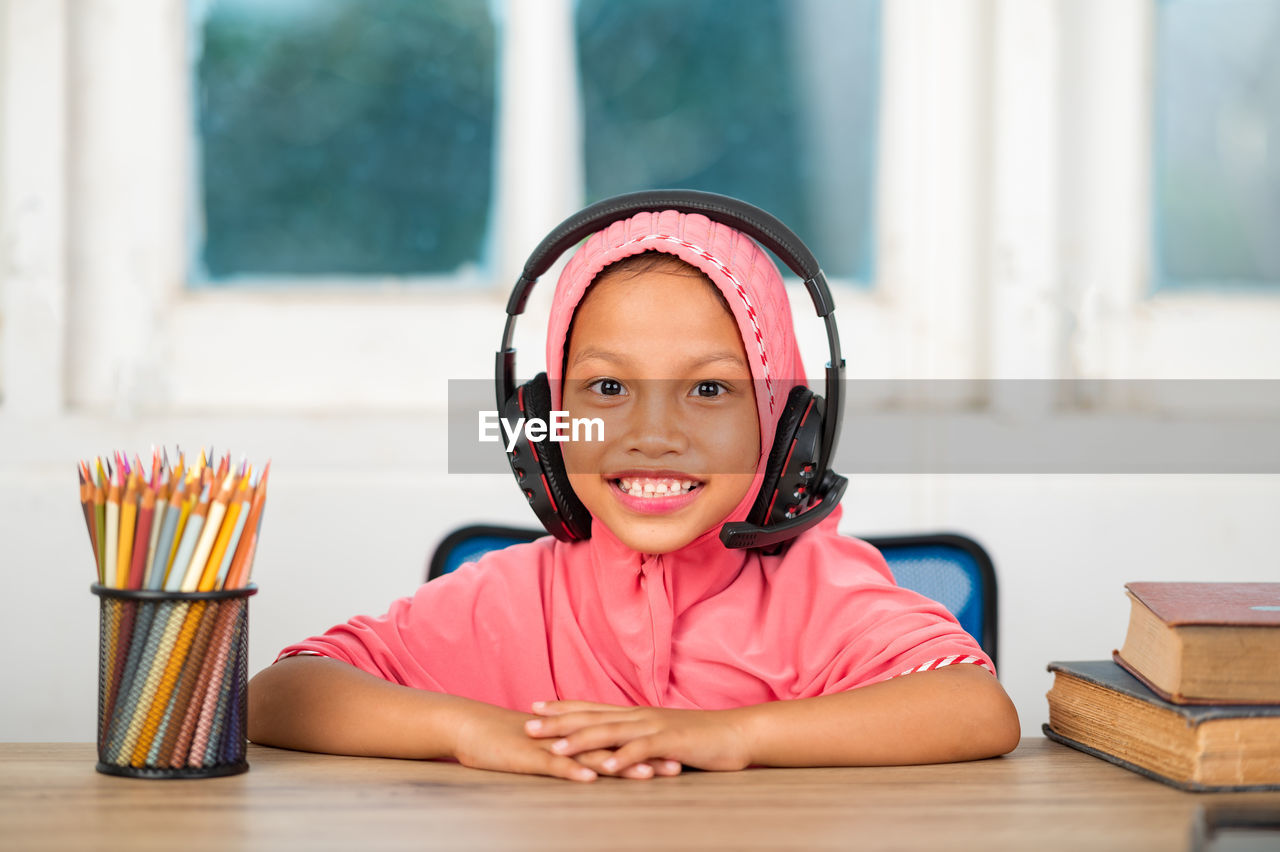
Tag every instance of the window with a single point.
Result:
(1216, 143)
(357, 138)
(1125, 144)
(348, 138)
(770, 101)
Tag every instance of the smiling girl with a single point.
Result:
(650, 646)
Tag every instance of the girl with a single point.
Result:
(650, 646)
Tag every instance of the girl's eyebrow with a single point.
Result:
(618, 358)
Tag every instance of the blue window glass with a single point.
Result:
(348, 137)
(1217, 143)
(771, 101)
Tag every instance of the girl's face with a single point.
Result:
(659, 360)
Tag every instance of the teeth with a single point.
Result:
(646, 487)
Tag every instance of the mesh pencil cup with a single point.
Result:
(173, 674)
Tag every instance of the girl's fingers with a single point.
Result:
(566, 723)
(636, 750)
(541, 761)
(551, 727)
(595, 760)
(556, 708)
(566, 767)
(666, 767)
(602, 736)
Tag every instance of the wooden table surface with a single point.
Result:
(1041, 797)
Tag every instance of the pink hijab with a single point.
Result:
(703, 627)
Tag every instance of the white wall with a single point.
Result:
(1011, 245)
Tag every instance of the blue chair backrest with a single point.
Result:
(454, 554)
(951, 569)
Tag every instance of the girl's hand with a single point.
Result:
(493, 738)
(706, 739)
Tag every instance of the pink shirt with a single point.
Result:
(596, 621)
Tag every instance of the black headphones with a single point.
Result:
(799, 488)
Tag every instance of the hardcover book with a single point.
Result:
(1101, 709)
(1205, 643)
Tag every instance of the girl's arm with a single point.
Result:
(313, 703)
(959, 712)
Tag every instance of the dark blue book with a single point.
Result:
(1099, 708)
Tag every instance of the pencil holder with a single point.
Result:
(172, 682)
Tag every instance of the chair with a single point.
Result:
(951, 569)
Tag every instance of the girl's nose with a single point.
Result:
(656, 427)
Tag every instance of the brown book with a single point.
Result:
(1099, 708)
(1205, 643)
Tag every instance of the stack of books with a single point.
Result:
(1193, 696)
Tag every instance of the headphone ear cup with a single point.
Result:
(539, 466)
(791, 467)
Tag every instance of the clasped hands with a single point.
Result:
(580, 740)
(638, 742)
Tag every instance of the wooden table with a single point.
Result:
(1041, 797)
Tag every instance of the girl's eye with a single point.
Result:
(710, 389)
(607, 387)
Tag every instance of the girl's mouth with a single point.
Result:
(649, 487)
(655, 495)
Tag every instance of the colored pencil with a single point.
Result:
(86, 500)
(242, 564)
(113, 530)
(124, 639)
(220, 616)
(86, 504)
(146, 512)
(100, 519)
(130, 683)
(245, 503)
(111, 618)
(128, 519)
(168, 740)
(160, 486)
(190, 499)
(213, 523)
(190, 538)
(216, 666)
(183, 625)
(215, 571)
(168, 528)
(157, 530)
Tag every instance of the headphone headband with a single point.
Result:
(760, 225)
(756, 223)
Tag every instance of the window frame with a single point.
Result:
(33, 207)
(1124, 326)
